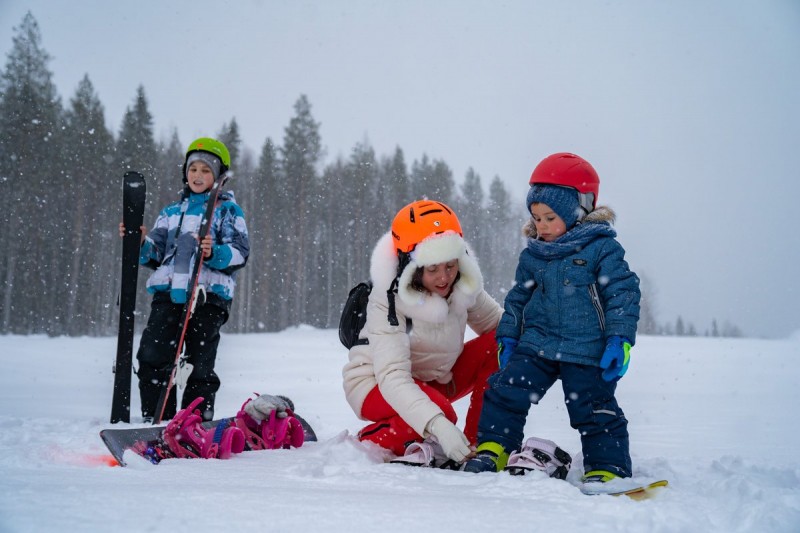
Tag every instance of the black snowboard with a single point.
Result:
(133, 199)
(119, 440)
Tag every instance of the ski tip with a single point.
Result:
(645, 492)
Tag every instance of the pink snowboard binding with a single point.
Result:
(272, 434)
(186, 436)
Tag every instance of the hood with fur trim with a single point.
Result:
(433, 250)
(600, 214)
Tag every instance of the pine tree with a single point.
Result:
(500, 258)
(266, 226)
(136, 147)
(94, 200)
(301, 151)
(432, 180)
(365, 218)
(421, 171)
(243, 312)
(731, 330)
(473, 215)
(136, 151)
(166, 183)
(229, 136)
(647, 324)
(335, 248)
(680, 329)
(394, 186)
(30, 182)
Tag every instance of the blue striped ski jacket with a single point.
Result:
(170, 247)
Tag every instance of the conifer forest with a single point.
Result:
(312, 224)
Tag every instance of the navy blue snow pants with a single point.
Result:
(592, 408)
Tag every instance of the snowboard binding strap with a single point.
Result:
(186, 436)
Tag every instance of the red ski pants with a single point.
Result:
(476, 363)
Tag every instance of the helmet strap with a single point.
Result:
(586, 201)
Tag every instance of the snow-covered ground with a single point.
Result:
(719, 418)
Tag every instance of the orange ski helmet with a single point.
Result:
(421, 219)
(569, 170)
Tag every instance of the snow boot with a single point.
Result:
(540, 454)
(491, 457)
(597, 482)
(186, 437)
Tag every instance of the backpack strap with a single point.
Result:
(403, 259)
(392, 315)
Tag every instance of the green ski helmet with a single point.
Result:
(210, 146)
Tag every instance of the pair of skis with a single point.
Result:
(133, 201)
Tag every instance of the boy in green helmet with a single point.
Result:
(170, 249)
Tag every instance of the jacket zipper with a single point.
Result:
(598, 306)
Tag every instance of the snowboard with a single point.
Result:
(133, 200)
(120, 440)
(641, 492)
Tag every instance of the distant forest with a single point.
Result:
(312, 224)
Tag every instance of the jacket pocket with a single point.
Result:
(584, 305)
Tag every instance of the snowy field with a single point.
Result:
(719, 418)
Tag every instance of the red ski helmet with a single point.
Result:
(569, 170)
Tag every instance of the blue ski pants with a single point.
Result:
(590, 401)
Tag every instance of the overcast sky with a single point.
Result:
(688, 109)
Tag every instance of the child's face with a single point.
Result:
(438, 279)
(549, 226)
(200, 177)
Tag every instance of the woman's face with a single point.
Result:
(439, 279)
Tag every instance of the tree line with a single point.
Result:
(312, 224)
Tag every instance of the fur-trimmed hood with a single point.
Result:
(433, 250)
(600, 214)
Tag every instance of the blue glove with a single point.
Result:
(616, 358)
(505, 349)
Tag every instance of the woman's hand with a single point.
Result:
(450, 438)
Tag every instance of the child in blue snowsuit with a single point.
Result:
(170, 248)
(572, 315)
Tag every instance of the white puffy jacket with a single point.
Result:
(394, 357)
